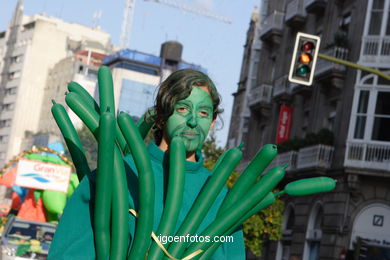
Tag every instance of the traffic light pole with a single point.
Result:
(354, 65)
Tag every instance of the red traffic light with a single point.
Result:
(308, 46)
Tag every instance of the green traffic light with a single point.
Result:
(303, 70)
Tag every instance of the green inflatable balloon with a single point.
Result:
(54, 201)
(73, 183)
(310, 186)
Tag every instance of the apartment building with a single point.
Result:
(29, 48)
(81, 67)
(339, 125)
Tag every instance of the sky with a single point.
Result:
(214, 45)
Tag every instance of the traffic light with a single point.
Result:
(304, 59)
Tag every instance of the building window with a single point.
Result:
(3, 138)
(361, 115)
(284, 245)
(137, 67)
(376, 17)
(5, 123)
(92, 73)
(16, 59)
(14, 75)
(313, 233)
(381, 125)
(7, 107)
(10, 91)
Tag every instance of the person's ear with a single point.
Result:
(212, 124)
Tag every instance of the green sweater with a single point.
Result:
(74, 235)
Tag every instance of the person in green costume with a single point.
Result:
(187, 105)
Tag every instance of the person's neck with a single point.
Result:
(190, 156)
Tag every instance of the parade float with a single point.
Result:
(38, 183)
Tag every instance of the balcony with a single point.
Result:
(366, 155)
(260, 98)
(331, 71)
(271, 28)
(284, 158)
(295, 13)
(317, 156)
(315, 6)
(281, 86)
(260, 94)
(375, 51)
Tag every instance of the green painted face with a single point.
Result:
(191, 119)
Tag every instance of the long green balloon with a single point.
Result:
(174, 198)
(310, 186)
(145, 123)
(72, 140)
(87, 98)
(249, 176)
(233, 214)
(266, 202)
(206, 198)
(90, 101)
(120, 202)
(120, 210)
(145, 218)
(103, 190)
(106, 90)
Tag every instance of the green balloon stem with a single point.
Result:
(280, 193)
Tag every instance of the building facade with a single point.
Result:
(339, 125)
(29, 48)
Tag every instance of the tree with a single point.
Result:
(266, 225)
(211, 152)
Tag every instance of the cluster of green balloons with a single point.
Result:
(251, 193)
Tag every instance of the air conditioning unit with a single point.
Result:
(314, 235)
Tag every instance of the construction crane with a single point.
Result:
(193, 9)
(96, 18)
(128, 14)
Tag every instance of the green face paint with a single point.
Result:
(191, 119)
